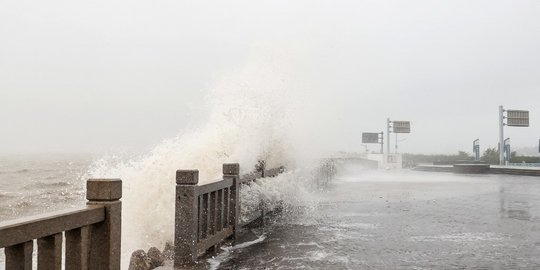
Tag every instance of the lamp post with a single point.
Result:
(501, 135)
(388, 123)
(507, 152)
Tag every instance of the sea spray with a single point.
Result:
(226, 251)
(251, 116)
(291, 189)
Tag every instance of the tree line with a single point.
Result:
(490, 156)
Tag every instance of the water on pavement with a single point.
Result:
(405, 220)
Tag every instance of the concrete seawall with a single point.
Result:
(479, 168)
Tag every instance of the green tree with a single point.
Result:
(491, 156)
(420, 158)
(527, 159)
(462, 155)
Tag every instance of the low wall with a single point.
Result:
(478, 168)
(453, 162)
(433, 168)
(470, 168)
(514, 171)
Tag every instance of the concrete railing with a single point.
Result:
(92, 233)
(206, 215)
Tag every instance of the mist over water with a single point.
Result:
(254, 113)
(287, 82)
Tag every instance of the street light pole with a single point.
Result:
(388, 135)
(507, 151)
(382, 142)
(501, 135)
(396, 144)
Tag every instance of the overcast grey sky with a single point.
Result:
(93, 76)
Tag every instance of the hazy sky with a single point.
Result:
(93, 76)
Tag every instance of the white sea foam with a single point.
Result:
(459, 237)
(291, 189)
(317, 255)
(253, 114)
(359, 226)
(225, 255)
(314, 244)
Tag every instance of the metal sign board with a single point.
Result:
(517, 118)
(476, 149)
(368, 137)
(402, 126)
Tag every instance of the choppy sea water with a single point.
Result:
(32, 184)
(35, 184)
(363, 220)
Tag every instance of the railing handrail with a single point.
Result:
(80, 238)
(214, 186)
(17, 231)
(208, 214)
(225, 183)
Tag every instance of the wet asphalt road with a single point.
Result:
(406, 220)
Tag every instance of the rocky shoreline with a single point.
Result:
(152, 259)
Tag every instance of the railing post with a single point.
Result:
(50, 252)
(105, 237)
(186, 218)
(261, 167)
(19, 257)
(77, 248)
(232, 170)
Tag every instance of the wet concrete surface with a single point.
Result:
(405, 220)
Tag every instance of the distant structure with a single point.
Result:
(514, 118)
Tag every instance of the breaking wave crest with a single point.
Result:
(250, 118)
(21, 171)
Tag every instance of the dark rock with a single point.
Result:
(157, 258)
(168, 251)
(140, 261)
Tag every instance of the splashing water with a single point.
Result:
(226, 251)
(249, 120)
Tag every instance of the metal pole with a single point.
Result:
(501, 135)
(507, 151)
(396, 143)
(382, 142)
(388, 135)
